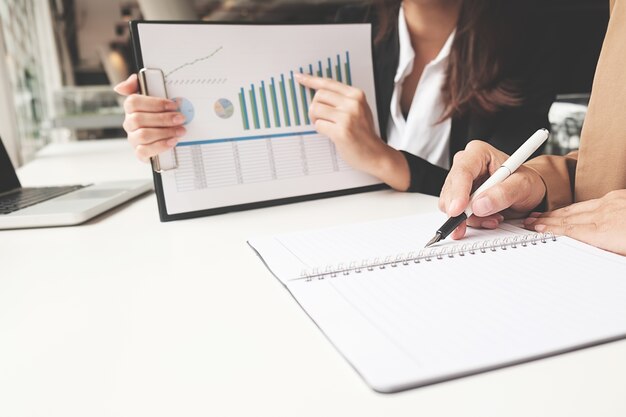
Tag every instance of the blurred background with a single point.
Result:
(60, 58)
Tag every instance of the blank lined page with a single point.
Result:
(411, 325)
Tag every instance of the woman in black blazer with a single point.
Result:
(500, 80)
(495, 82)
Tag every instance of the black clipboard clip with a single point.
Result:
(152, 83)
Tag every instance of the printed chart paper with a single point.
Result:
(249, 137)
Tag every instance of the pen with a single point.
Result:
(507, 168)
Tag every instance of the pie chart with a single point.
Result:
(223, 108)
(186, 108)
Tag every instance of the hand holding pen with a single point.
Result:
(509, 186)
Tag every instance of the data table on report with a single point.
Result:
(211, 165)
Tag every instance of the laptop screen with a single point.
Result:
(8, 178)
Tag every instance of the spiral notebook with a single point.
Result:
(405, 317)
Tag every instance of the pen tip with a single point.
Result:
(434, 240)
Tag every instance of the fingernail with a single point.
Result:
(482, 206)
(299, 76)
(530, 221)
(179, 118)
(455, 207)
(534, 214)
(180, 131)
(500, 218)
(171, 105)
(489, 224)
(541, 228)
(172, 142)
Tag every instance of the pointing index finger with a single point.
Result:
(318, 83)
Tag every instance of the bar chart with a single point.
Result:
(281, 102)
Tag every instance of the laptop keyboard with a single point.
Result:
(25, 197)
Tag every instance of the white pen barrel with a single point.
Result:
(526, 150)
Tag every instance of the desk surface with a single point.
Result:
(126, 316)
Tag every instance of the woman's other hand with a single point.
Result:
(600, 222)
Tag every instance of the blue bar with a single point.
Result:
(283, 90)
(348, 70)
(339, 78)
(244, 109)
(305, 105)
(329, 70)
(275, 103)
(311, 91)
(244, 138)
(294, 99)
(255, 109)
(266, 115)
(320, 73)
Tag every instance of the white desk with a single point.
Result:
(126, 316)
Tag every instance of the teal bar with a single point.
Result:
(339, 77)
(348, 73)
(244, 110)
(274, 103)
(294, 100)
(319, 71)
(329, 70)
(311, 91)
(305, 105)
(266, 115)
(255, 109)
(283, 94)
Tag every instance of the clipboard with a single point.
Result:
(255, 126)
(152, 83)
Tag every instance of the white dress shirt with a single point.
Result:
(421, 134)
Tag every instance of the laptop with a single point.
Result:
(58, 206)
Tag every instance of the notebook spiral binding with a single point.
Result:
(425, 255)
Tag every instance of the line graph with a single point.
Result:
(196, 81)
(195, 61)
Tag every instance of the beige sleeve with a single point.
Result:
(557, 173)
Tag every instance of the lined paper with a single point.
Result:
(415, 324)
